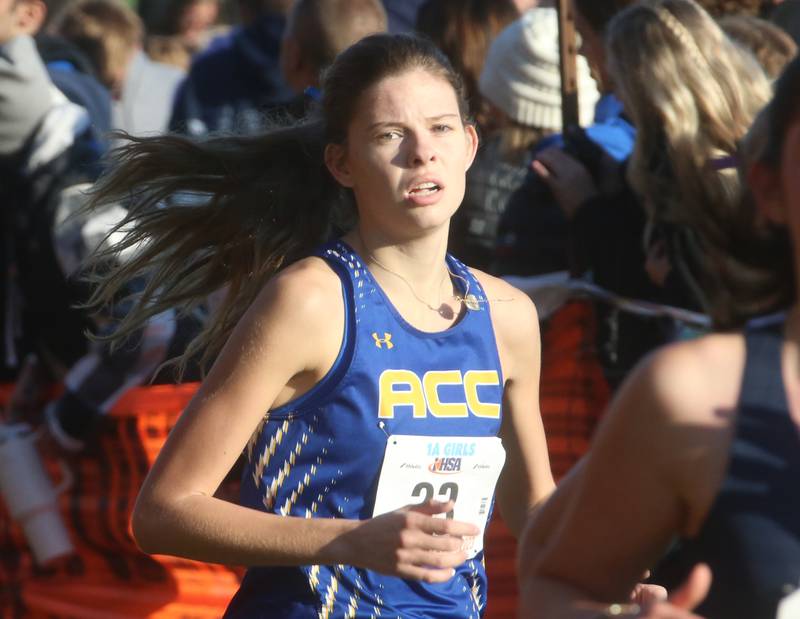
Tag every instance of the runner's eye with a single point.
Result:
(387, 136)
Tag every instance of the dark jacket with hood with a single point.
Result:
(234, 84)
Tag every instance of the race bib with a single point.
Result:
(459, 469)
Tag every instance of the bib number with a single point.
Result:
(464, 470)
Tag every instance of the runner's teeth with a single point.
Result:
(425, 188)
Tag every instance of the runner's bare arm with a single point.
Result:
(286, 342)
(639, 481)
(526, 479)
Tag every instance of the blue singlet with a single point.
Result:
(751, 537)
(320, 456)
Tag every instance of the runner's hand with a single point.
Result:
(411, 543)
(651, 604)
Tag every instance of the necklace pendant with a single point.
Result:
(471, 301)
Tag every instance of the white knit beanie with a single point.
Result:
(521, 74)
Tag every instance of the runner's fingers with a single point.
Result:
(455, 528)
(428, 575)
(428, 508)
(441, 543)
(431, 558)
(415, 538)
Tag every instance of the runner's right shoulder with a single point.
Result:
(306, 290)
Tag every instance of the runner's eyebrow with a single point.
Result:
(395, 123)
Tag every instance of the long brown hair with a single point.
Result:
(227, 213)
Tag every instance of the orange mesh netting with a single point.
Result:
(109, 577)
(573, 396)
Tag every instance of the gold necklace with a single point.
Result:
(469, 300)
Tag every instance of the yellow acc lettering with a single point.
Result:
(404, 388)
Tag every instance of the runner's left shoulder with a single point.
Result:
(505, 298)
(513, 311)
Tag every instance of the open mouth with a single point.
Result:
(424, 189)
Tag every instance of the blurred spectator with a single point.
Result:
(711, 95)
(463, 30)
(47, 160)
(168, 50)
(191, 21)
(69, 68)
(524, 5)
(233, 83)
(317, 30)
(692, 95)
(110, 34)
(45, 145)
(179, 29)
(521, 86)
(522, 79)
(772, 47)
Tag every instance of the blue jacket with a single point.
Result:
(232, 84)
(73, 74)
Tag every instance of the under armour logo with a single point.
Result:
(380, 341)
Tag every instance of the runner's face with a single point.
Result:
(406, 155)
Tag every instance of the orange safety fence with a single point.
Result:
(574, 391)
(109, 578)
(573, 395)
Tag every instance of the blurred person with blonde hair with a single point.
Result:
(110, 34)
(691, 93)
(703, 438)
(701, 442)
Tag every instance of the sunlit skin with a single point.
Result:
(395, 143)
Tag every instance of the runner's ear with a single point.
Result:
(336, 160)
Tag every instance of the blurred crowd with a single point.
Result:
(642, 198)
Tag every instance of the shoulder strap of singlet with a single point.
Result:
(762, 383)
(328, 383)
